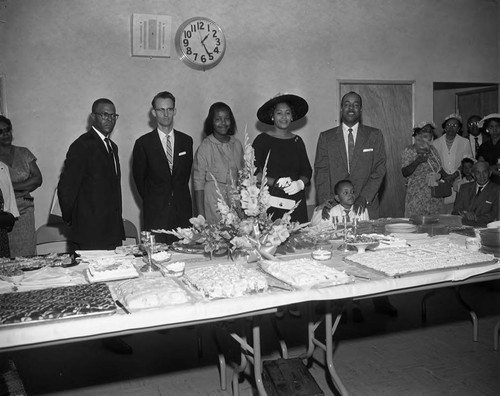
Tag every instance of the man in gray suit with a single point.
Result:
(351, 151)
(355, 152)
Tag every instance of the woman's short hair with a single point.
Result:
(487, 122)
(208, 127)
(5, 120)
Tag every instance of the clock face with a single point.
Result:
(200, 43)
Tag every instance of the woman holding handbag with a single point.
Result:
(288, 167)
(421, 165)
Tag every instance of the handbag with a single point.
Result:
(442, 190)
(281, 203)
(7, 220)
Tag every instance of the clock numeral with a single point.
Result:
(187, 34)
(203, 59)
(214, 33)
(211, 57)
(185, 42)
(189, 51)
(193, 27)
(195, 55)
(201, 25)
(216, 50)
(217, 40)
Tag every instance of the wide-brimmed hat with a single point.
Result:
(456, 116)
(480, 124)
(299, 107)
(421, 124)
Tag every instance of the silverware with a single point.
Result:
(118, 302)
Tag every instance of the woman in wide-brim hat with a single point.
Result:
(288, 168)
(489, 151)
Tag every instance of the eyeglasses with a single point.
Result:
(473, 123)
(168, 110)
(108, 116)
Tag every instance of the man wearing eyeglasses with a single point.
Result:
(162, 162)
(475, 135)
(89, 192)
(89, 188)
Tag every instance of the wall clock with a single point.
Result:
(200, 43)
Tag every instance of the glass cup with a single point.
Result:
(322, 251)
(149, 246)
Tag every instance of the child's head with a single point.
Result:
(466, 167)
(344, 193)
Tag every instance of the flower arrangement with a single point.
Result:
(244, 222)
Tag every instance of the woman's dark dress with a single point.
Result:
(288, 158)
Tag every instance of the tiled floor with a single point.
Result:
(382, 356)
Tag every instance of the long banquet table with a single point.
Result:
(366, 284)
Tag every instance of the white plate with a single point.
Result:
(401, 227)
(493, 224)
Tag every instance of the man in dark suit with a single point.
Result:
(89, 192)
(351, 151)
(355, 152)
(162, 162)
(475, 134)
(89, 188)
(477, 202)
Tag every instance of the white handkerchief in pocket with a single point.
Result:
(367, 150)
(182, 153)
(488, 202)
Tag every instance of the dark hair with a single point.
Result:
(339, 184)
(163, 95)
(5, 120)
(473, 116)
(466, 160)
(272, 108)
(487, 122)
(350, 93)
(100, 101)
(459, 132)
(208, 126)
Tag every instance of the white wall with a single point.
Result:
(60, 55)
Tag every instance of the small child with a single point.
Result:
(465, 174)
(344, 194)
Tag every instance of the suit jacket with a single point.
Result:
(89, 193)
(166, 199)
(485, 206)
(368, 164)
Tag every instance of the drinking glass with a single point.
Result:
(149, 246)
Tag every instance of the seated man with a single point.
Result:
(477, 202)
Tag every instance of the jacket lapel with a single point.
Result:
(338, 146)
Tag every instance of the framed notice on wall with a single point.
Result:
(3, 97)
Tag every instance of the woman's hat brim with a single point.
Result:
(298, 104)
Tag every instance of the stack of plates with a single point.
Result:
(490, 237)
(400, 228)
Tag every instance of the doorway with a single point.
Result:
(388, 106)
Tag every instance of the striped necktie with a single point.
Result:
(170, 156)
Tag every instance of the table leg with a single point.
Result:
(475, 324)
(329, 332)
(283, 347)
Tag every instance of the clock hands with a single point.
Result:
(203, 42)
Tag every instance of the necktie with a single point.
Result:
(350, 147)
(170, 156)
(111, 153)
(479, 189)
(477, 144)
(347, 218)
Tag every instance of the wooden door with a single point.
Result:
(479, 102)
(388, 107)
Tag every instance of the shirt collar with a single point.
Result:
(101, 135)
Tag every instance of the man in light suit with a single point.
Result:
(89, 192)
(477, 202)
(89, 189)
(355, 152)
(162, 162)
(364, 166)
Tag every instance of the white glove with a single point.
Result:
(283, 182)
(294, 187)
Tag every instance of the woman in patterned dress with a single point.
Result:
(420, 165)
(219, 156)
(26, 177)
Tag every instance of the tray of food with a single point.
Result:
(56, 303)
(304, 273)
